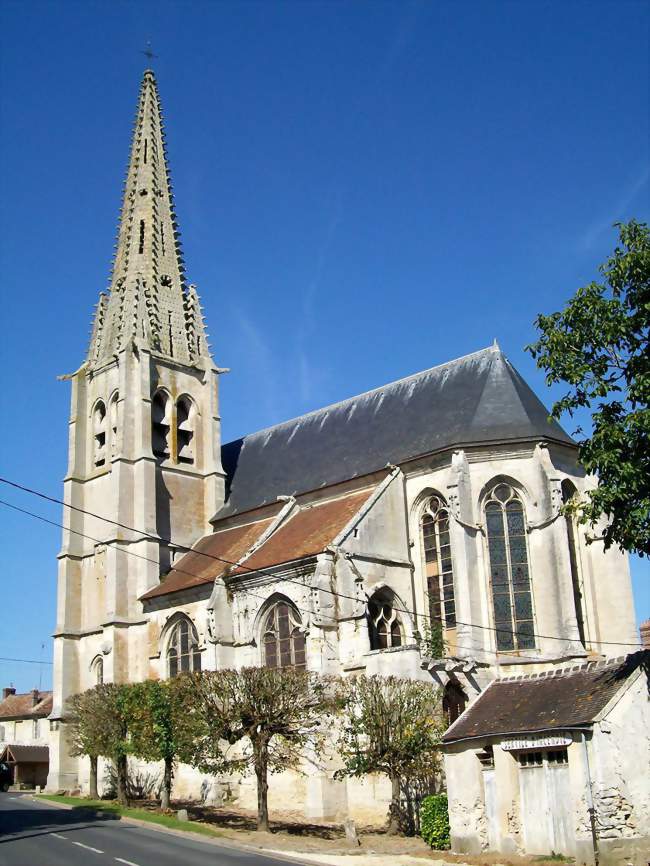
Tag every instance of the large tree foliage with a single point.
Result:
(392, 726)
(598, 346)
(99, 725)
(256, 719)
(160, 728)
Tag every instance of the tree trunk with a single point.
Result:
(395, 807)
(261, 756)
(121, 768)
(166, 790)
(93, 777)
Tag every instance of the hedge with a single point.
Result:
(434, 821)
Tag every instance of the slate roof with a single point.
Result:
(22, 706)
(559, 699)
(202, 564)
(479, 398)
(26, 754)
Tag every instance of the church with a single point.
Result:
(413, 530)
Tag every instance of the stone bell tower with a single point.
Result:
(144, 465)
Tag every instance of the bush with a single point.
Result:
(434, 821)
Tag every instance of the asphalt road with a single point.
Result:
(35, 834)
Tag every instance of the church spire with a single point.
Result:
(149, 302)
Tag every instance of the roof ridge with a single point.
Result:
(338, 403)
(567, 669)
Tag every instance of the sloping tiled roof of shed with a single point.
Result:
(476, 399)
(306, 533)
(26, 754)
(204, 563)
(23, 706)
(565, 698)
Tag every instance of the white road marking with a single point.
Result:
(58, 836)
(88, 847)
(128, 862)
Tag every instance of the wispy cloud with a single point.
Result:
(619, 212)
(307, 373)
(262, 361)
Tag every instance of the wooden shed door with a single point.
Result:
(546, 804)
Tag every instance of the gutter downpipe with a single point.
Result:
(590, 800)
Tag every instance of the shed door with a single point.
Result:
(546, 805)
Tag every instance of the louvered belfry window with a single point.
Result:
(283, 640)
(510, 575)
(436, 550)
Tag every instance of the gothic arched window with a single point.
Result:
(183, 653)
(97, 671)
(384, 625)
(99, 433)
(185, 430)
(454, 701)
(283, 640)
(568, 493)
(438, 568)
(160, 424)
(510, 577)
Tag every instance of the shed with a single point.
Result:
(29, 763)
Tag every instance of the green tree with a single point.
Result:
(98, 720)
(160, 728)
(392, 726)
(256, 719)
(598, 346)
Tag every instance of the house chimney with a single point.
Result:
(8, 690)
(35, 697)
(644, 631)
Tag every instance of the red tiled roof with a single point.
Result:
(565, 698)
(202, 564)
(307, 533)
(22, 706)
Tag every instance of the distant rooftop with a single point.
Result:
(477, 399)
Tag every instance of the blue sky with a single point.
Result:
(364, 189)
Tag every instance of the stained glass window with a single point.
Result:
(438, 567)
(384, 624)
(183, 654)
(283, 640)
(510, 578)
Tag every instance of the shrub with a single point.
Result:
(434, 821)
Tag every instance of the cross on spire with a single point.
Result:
(148, 53)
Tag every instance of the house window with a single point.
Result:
(283, 640)
(160, 425)
(183, 654)
(530, 759)
(185, 430)
(486, 758)
(436, 551)
(511, 592)
(384, 625)
(553, 757)
(99, 434)
(568, 493)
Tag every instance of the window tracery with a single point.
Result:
(283, 640)
(384, 625)
(438, 566)
(183, 654)
(510, 576)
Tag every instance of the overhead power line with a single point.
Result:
(169, 543)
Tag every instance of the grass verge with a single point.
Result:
(113, 808)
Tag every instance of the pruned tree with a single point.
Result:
(256, 719)
(160, 728)
(392, 726)
(598, 346)
(99, 726)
